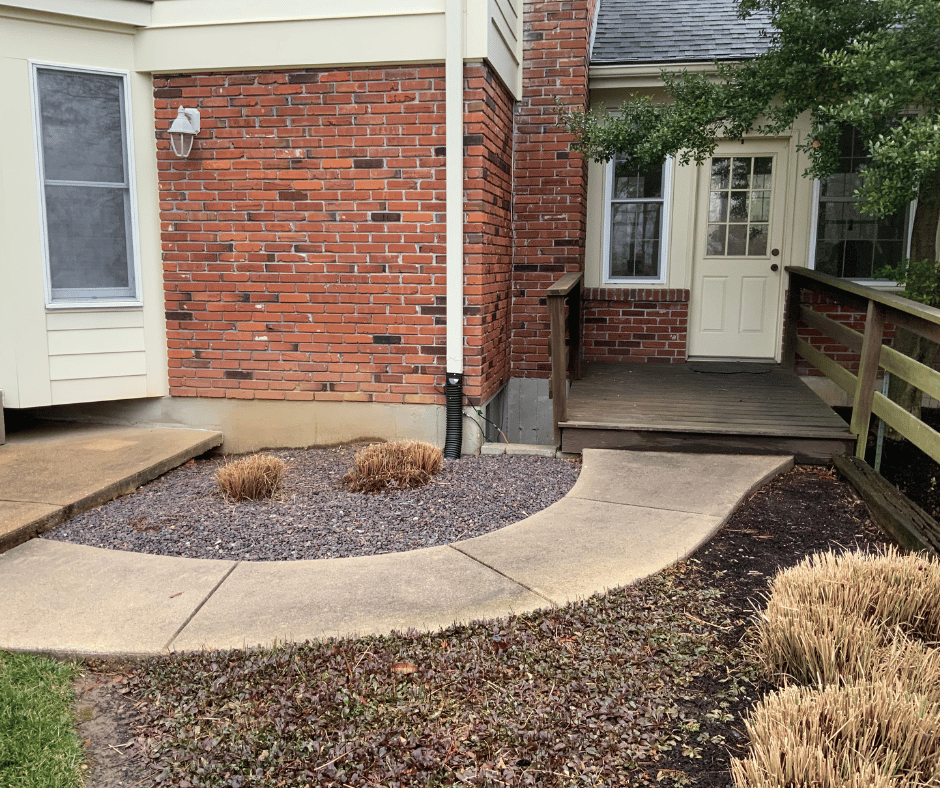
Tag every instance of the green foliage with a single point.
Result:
(38, 744)
(867, 63)
(920, 278)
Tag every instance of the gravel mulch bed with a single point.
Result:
(183, 514)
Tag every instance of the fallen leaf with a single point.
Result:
(404, 668)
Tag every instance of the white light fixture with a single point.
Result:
(185, 127)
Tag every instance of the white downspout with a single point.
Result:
(453, 128)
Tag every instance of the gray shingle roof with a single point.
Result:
(661, 31)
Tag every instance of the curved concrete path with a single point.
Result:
(630, 515)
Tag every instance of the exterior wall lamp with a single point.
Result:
(184, 128)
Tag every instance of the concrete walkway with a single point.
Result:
(629, 515)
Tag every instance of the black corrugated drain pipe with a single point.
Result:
(453, 439)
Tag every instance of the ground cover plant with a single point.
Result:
(38, 744)
(643, 686)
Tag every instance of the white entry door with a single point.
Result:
(738, 267)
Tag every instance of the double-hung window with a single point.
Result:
(86, 186)
(849, 243)
(636, 226)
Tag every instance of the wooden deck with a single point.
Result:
(701, 407)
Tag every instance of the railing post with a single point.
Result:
(790, 326)
(867, 374)
(556, 312)
(574, 331)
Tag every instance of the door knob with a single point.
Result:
(774, 267)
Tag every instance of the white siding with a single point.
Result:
(194, 35)
(55, 356)
(504, 43)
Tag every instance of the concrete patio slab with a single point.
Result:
(261, 603)
(66, 598)
(71, 468)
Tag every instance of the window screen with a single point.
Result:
(86, 185)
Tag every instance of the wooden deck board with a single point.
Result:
(747, 406)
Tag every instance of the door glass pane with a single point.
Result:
(88, 238)
(82, 126)
(757, 240)
(737, 240)
(716, 238)
(739, 206)
(741, 172)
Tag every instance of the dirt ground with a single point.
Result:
(804, 511)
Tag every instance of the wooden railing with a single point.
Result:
(880, 308)
(566, 292)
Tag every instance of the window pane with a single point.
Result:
(634, 240)
(88, 238)
(632, 182)
(82, 126)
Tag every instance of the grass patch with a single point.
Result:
(38, 744)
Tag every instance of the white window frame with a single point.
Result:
(73, 298)
(666, 200)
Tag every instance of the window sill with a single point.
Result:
(86, 305)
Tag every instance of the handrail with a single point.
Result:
(881, 309)
(566, 292)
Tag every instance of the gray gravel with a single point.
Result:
(183, 514)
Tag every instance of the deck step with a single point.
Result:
(701, 407)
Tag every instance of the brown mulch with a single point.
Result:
(804, 511)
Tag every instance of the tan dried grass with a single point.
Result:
(251, 478)
(871, 734)
(400, 464)
(831, 616)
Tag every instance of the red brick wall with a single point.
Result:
(550, 181)
(631, 325)
(488, 126)
(303, 240)
(841, 313)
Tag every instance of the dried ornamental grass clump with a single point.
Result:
(251, 478)
(870, 734)
(401, 464)
(860, 631)
(830, 615)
